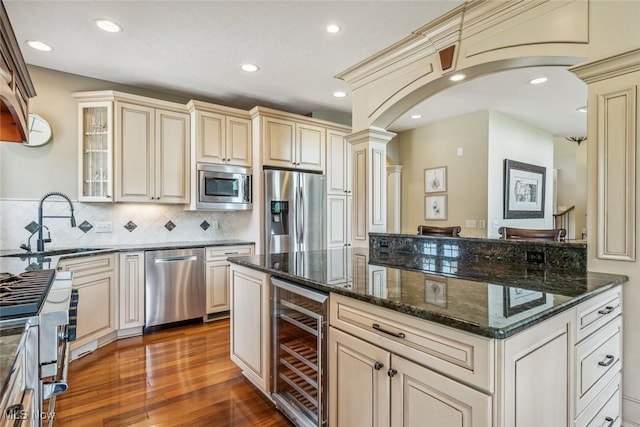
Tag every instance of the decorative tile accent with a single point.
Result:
(205, 225)
(32, 227)
(130, 226)
(169, 225)
(85, 226)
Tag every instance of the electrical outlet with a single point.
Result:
(470, 223)
(104, 227)
(215, 225)
(535, 257)
(482, 223)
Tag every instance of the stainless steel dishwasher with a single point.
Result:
(174, 286)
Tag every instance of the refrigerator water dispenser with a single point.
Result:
(279, 217)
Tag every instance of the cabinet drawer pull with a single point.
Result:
(231, 253)
(609, 421)
(608, 360)
(377, 327)
(608, 309)
(377, 366)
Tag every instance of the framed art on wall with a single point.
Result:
(524, 190)
(435, 207)
(435, 180)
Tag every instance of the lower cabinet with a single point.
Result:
(95, 279)
(250, 324)
(131, 294)
(217, 275)
(374, 387)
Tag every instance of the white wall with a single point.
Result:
(570, 160)
(514, 140)
(27, 173)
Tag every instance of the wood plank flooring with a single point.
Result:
(176, 377)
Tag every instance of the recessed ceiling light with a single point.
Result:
(339, 94)
(108, 26)
(333, 28)
(457, 77)
(416, 116)
(250, 68)
(582, 109)
(39, 45)
(537, 80)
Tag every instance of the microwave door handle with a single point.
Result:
(247, 189)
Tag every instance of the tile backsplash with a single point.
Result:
(132, 224)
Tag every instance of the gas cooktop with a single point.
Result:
(22, 295)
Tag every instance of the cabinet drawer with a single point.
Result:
(605, 409)
(598, 360)
(594, 313)
(220, 253)
(87, 266)
(469, 358)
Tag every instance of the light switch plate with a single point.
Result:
(104, 227)
(470, 223)
(215, 225)
(481, 223)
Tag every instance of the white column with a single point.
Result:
(369, 154)
(394, 198)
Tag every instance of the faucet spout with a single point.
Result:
(41, 216)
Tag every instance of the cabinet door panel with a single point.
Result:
(211, 130)
(336, 227)
(95, 306)
(279, 142)
(217, 287)
(310, 147)
(360, 389)
(423, 398)
(172, 157)
(239, 141)
(134, 153)
(131, 287)
(336, 163)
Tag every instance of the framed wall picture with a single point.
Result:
(524, 190)
(435, 292)
(435, 180)
(435, 207)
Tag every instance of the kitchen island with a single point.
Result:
(458, 341)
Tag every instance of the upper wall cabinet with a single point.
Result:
(338, 163)
(291, 141)
(15, 85)
(220, 134)
(151, 149)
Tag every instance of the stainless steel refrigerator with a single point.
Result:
(294, 216)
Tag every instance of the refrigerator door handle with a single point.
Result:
(301, 216)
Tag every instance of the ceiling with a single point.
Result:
(195, 48)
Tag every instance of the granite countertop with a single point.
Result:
(491, 300)
(15, 261)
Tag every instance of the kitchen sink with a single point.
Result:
(53, 252)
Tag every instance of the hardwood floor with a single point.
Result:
(177, 377)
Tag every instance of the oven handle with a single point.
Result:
(53, 388)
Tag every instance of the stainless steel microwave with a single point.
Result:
(224, 187)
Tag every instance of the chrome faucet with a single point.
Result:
(41, 241)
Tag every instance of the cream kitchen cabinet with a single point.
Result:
(95, 123)
(133, 148)
(220, 134)
(568, 364)
(95, 279)
(339, 210)
(152, 154)
(131, 294)
(250, 325)
(217, 276)
(338, 163)
(290, 144)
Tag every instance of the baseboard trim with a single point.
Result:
(630, 412)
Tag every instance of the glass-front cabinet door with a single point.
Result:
(96, 151)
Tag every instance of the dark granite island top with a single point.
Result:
(494, 300)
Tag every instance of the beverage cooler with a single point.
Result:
(299, 353)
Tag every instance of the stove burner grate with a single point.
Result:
(22, 295)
